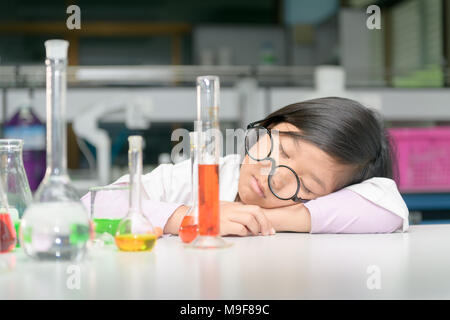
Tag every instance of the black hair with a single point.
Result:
(346, 130)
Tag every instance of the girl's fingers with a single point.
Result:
(247, 220)
(250, 217)
(234, 229)
(158, 232)
(265, 225)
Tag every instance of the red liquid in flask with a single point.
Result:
(188, 229)
(7, 233)
(208, 198)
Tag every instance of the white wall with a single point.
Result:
(179, 104)
(170, 104)
(396, 104)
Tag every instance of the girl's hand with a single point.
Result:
(293, 218)
(243, 220)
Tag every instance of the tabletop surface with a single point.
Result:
(412, 265)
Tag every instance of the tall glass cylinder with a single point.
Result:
(189, 225)
(56, 225)
(209, 137)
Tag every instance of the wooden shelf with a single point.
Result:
(102, 29)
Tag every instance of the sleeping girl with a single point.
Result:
(318, 166)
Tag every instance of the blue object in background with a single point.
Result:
(430, 202)
(309, 12)
(427, 201)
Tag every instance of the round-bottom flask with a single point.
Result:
(56, 225)
(135, 232)
(55, 231)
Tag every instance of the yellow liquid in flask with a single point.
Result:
(136, 242)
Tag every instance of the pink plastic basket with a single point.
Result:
(423, 157)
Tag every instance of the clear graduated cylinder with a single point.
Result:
(189, 225)
(208, 131)
(135, 232)
(56, 225)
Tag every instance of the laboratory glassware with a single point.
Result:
(135, 232)
(8, 236)
(189, 225)
(105, 224)
(56, 225)
(25, 125)
(14, 179)
(209, 137)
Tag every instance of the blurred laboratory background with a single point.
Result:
(133, 64)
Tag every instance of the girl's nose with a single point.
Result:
(265, 163)
(264, 167)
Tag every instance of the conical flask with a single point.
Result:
(135, 232)
(56, 225)
(8, 236)
(14, 180)
(189, 225)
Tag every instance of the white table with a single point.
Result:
(285, 266)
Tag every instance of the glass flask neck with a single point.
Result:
(135, 167)
(56, 121)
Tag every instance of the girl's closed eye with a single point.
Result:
(305, 188)
(283, 152)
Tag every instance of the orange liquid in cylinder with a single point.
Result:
(208, 198)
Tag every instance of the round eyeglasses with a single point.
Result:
(282, 180)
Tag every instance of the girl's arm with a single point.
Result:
(343, 211)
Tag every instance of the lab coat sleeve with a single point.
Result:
(346, 211)
(114, 204)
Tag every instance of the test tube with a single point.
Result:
(208, 137)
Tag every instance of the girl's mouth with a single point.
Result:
(254, 183)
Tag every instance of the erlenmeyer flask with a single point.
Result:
(14, 180)
(135, 232)
(56, 225)
(8, 237)
(189, 225)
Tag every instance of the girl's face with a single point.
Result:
(319, 174)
